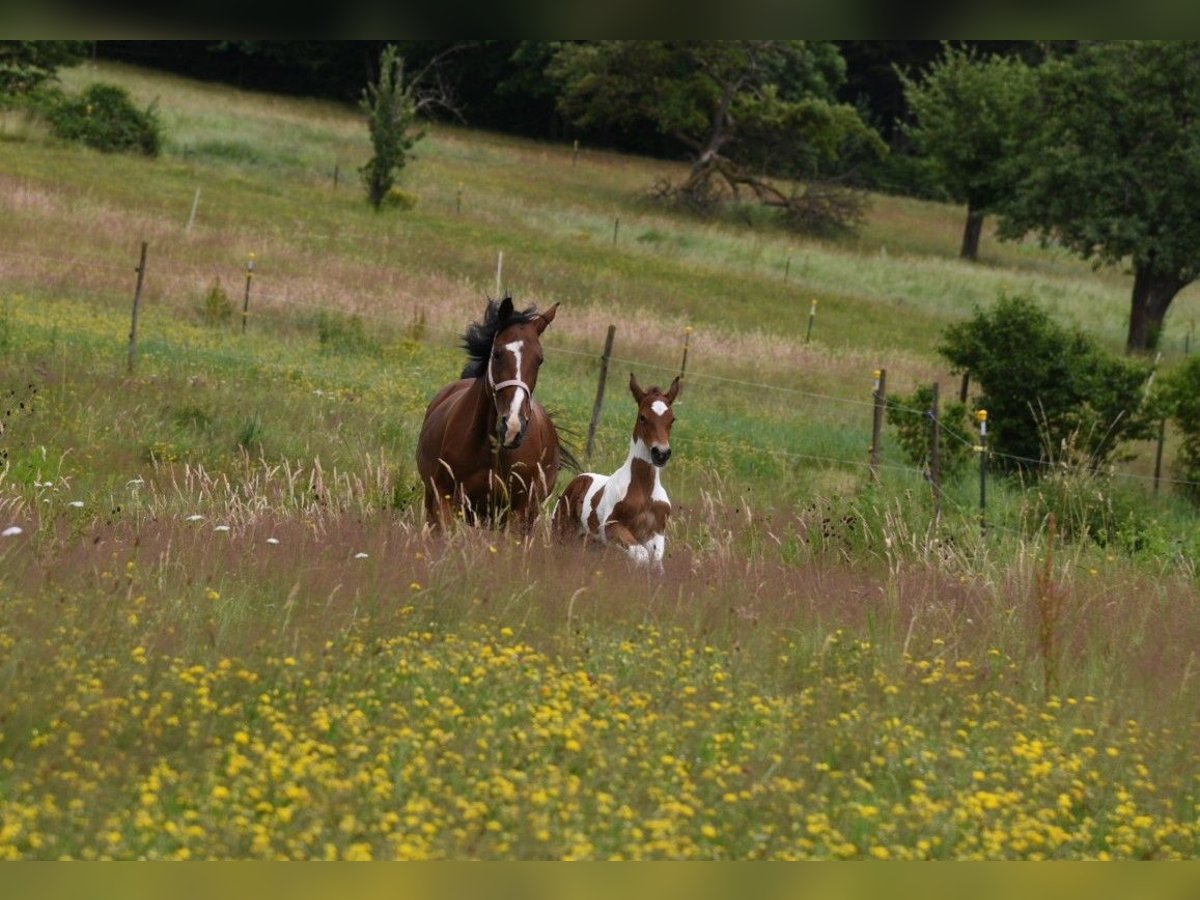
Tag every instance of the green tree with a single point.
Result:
(27, 65)
(1113, 169)
(968, 114)
(739, 108)
(1045, 387)
(391, 107)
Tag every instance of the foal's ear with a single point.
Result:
(545, 318)
(674, 390)
(505, 309)
(635, 388)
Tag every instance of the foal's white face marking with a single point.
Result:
(659, 407)
(512, 421)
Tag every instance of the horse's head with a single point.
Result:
(655, 418)
(512, 369)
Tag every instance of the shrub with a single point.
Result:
(1181, 401)
(345, 334)
(910, 416)
(400, 199)
(104, 117)
(1045, 386)
(216, 308)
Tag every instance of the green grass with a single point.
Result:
(224, 634)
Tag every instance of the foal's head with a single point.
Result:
(655, 418)
(507, 348)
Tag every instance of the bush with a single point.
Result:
(345, 334)
(1181, 401)
(217, 308)
(104, 117)
(1046, 387)
(910, 416)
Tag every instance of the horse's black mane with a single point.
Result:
(477, 339)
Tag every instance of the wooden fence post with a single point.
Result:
(499, 272)
(982, 416)
(596, 407)
(966, 383)
(137, 306)
(616, 228)
(880, 395)
(246, 298)
(935, 455)
(812, 314)
(192, 215)
(1158, 451)
(687, 339)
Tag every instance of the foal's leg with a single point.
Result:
(657, 545)
(616, 533)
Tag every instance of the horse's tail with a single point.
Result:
(566, 455)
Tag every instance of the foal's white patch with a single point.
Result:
(659, 407)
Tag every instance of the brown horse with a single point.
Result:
(487, 447)
(628, 508)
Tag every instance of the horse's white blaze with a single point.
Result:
(512, 421)
(660, 407)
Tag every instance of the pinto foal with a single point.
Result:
(628, 508)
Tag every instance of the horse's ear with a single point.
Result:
(674, 390)
(505, 309)
(545, 318)
(635, 388)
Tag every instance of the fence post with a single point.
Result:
(616, 228)
(499, 272)
(192, 215)
(812, 314)
(935, 455)
(966, 383)
(137, 306)
(575, 153)
(982, 416)
(880, 394)
(1158, 451)
(787, 267)
(687, 339)
(246, 298)
(337, 171)
(596, 407)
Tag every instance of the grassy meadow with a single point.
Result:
(225, 634)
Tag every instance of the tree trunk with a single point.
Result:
(1152, 295)
(971, 232)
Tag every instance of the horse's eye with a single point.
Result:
(539, 362)
(495, 354)
(642, 419)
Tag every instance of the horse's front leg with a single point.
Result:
(616, 533)
(657, 548)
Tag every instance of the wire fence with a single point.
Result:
(196, 280)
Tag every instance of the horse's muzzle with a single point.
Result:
(502, 434)
(659, 456)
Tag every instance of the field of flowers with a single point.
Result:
(146, 717)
